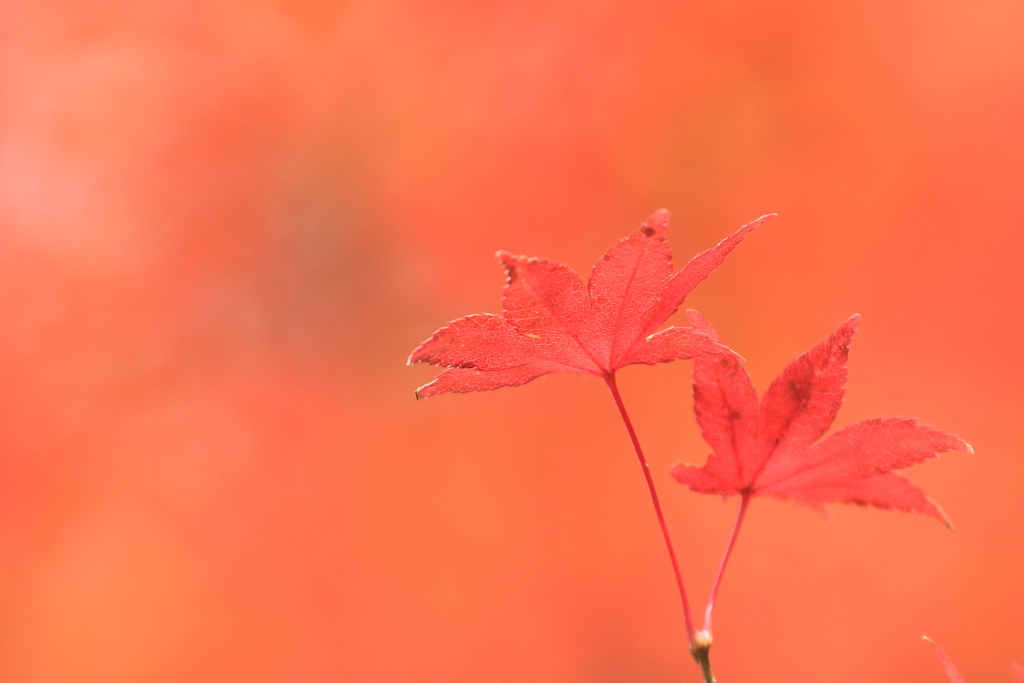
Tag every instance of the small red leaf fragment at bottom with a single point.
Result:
(954, 675)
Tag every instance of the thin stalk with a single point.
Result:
(691, 632)
(701, 656)
(725, 560)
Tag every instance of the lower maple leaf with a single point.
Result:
(772, 447)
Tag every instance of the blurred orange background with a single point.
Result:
(224, 225)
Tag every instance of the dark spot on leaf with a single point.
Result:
(800, 392)
(735, 415)
(648, 231)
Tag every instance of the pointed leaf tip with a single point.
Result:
(850, 325)
(844, 333)
(758, 221)
(656, 224)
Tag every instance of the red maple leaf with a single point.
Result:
(553, 323)
(772, 447)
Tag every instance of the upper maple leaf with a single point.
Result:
(553, 323)
(772, 448)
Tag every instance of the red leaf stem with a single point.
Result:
(744, 503)
(691, 632)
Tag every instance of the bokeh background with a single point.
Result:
(224, 225)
